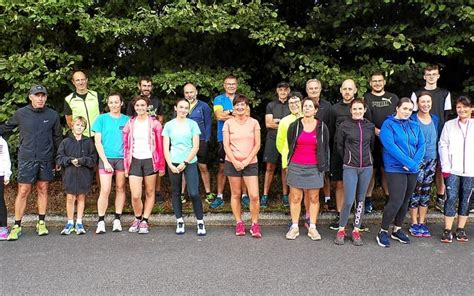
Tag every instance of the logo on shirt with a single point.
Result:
(46, 120)
(387, 100)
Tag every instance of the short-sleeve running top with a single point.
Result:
(224, 103)
(181, 138)
(242, 137)
(110, 129)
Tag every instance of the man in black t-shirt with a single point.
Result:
(380, 104)
(145, 88)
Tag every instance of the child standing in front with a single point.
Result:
(5, 173)
(77, 157)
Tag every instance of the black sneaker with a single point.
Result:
(335, 224)
(369, 207)
(461, 235)
(400, 236)
(447, 236)
(439, 204)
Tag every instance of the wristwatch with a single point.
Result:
(230, 112)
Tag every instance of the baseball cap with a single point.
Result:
(283, 84)
(35, 89)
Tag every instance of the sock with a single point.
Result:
(18, 222)
(70, 221)
(199, 222)
(312, 225)
(145, 220)
(118, 216)
(440, 196)
(396, 228)
(207, 193)
(220, 195)
(41, 217)
(294, 225)
(78, 221)
(101, 218)
(180, 220)
(326, 199)
(138, 217)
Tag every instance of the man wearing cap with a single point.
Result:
(40, 136)
(276, 110)
(82, 102)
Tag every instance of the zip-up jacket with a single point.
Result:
(201, 113)
(5, 163)
(355, 141)
(456, 148)
(155, 140)
(403, 145)
(281, 139)
(40, 133)
(77, 180)
(322, 146)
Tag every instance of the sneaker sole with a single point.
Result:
(292, 238)
(201, 234)
(380, 244)
(116, 230)
(256, 235)
(334, 228)
(462, 240)
(179, 233)
(446, 241)
(338, 243)
(398, 239)
(416, 235)
(143, 232)
(240, 233)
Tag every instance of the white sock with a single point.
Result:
(70, 222)
(180, 220)
(79, 221)
(294, 225)
(312, 225)
(220, 195)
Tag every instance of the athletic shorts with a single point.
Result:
(203, 152)
(221, 152)
(141, 167)
(271, 154)
(116, 163)
(30, 171)
(248, 171)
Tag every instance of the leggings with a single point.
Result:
(400, 189)
(421, 196)
(3, 206)
(356, 181)
(192, 185)
(457, 187)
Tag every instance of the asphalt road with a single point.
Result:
(221, 263)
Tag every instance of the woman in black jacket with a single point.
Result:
(308, 160)
(354, 141)
(77, 157)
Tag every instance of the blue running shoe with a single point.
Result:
(382, 239)
(217, 203)
(245, 201)
(400, 236)
(68, 229)
(263, 201)
(416, 230)
(425, 231)
(285, 200)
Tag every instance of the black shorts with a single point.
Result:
(271, 154)
(221, 152)
(30, 171)
(248, 171)
(203, 152)
(336, 167)
(141, 167)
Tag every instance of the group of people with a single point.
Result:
(313, 141)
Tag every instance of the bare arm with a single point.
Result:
(270, 123)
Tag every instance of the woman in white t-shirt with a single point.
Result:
(182, 136)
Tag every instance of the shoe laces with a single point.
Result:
(341, 233)
(356, 235)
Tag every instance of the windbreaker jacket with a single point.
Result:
(355, 141)
(5, 163)
(281, 138)
(77, 180)
(40, 133)
(156, 144)
(403, 145)
(322, 137)
(456, 149)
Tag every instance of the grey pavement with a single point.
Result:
(163, 263)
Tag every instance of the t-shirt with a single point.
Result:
(305, 149)
(379, 107)
(141, 140)
(110, 129)
(181, 138)
(223, 103)
(431, 139)
(279, 110)
(242, 137)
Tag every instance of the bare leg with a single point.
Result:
(206, 179)
(42, 192)
(220, 179)
(252, 186)
(236, 191)
(149, 195)
(20, 202)
(313, 196)
(105, 188)
(136, 192)
(296, 195)
(81, 203)
(269, 173)
(70, 201)
(119, 192)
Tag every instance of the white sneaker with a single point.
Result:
(116, 226)
(180, 228)
(143, 228)
(100, 227)
(135, 226)
(201, 229)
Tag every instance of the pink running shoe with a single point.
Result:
(3, 233)
(135, 226)
(240, 228)
(255, 230)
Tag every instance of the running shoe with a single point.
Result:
(382, 239)
(201, 229)
(116, 225)
(425, 231)
(285, 200)
(293, 233)
(447, 236)
(439, 205)
(240, 228)
(369, 207)
(100, 227)
(143, 228)
(416, 230)
(68, 229)
(356, 239)
(183, 198)
(80, 229)
(217, 203)
(15, 233)
(210, 197)
(255, 230)
(41, 228)
(340, 236)
(335, 224)
(400, 236)
(363, 227)
(3, 233)
(245, 201)
(263, 201)
(180, 228)
(461, 235)
(313, 234)
(135, 226)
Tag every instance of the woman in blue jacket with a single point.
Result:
(403, 152)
